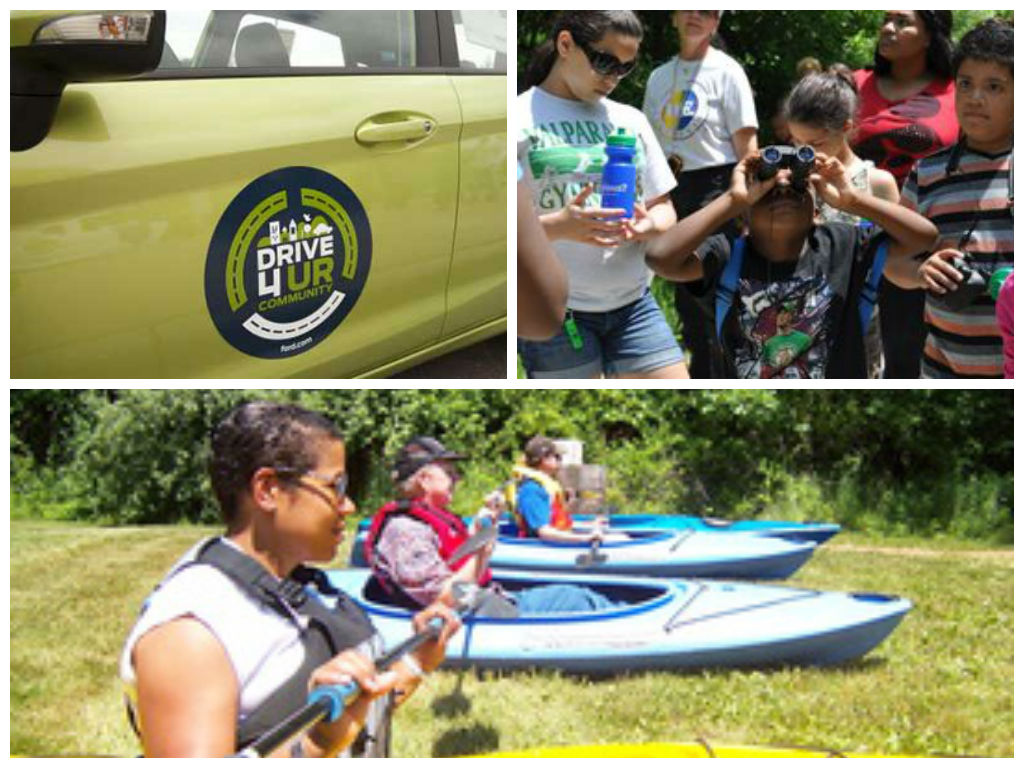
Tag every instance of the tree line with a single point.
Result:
(768, 44)
(915, 461)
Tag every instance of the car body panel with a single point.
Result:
(476, 290)
(113, 213)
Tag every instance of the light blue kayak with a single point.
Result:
(660, 624)
(669, 554)
(818, 533)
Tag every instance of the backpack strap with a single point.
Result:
(727, 283)
(870, 289)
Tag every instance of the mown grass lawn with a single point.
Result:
(941, 684)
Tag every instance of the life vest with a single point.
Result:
(451, 532)
(324, 633)
(560, 517)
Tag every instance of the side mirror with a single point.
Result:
(50, 49)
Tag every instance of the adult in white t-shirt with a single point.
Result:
(613, 325)
(702, 110)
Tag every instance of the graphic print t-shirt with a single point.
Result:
(798, 320)
(697, 106)
(561, 146)
(895, 134)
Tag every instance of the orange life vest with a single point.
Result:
(560, 516)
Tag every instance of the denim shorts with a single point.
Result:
(633, 339)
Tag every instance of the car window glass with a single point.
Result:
(184, 29)
(266, 41)
(287, 39)
(482, 39)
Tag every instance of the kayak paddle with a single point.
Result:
(594, 557)
(328, 702)
(474, 543)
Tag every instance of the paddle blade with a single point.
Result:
(593, 557)
(474, 543)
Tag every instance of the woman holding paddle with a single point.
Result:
(240, 630)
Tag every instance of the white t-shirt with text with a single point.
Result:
(561, 147)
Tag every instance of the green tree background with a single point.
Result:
(908, 461)
(767, 43)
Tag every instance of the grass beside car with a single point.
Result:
(942, 684)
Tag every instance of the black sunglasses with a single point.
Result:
(604, 63)
(338, 484)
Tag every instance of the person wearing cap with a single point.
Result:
(701, 106)
(540, 507)
(412, 541)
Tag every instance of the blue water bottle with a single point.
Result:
(618, 182)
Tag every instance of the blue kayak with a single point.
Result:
(659, 624)
(818, 533)
(668, 554)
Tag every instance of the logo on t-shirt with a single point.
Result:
(785, 327)
(685, 113)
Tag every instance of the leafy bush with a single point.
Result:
(767, 43)
(904, 461)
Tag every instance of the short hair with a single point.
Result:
(262, 434)
(990, 41)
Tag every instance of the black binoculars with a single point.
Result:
(799, 160)
(975, 283)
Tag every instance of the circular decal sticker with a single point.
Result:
(287, 262)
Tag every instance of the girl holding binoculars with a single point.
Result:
(821, 112)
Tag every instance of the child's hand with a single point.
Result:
(746, 188)
(642, 227)
(832, 184)
(937, 273)
(586, 225)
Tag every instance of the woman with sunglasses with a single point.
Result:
(702, 109)
(239, 631)
(613, 326)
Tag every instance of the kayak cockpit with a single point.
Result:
(630, 598)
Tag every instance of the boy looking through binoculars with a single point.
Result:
(791, 295)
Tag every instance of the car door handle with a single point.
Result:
(390, 127)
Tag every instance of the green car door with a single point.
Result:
(477, 290)
(279, 198)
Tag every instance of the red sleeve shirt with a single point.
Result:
(895, 134)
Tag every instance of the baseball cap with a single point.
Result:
(417, 453)
(538, 447)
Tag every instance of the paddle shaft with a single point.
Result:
(328, 702)
(592, 557)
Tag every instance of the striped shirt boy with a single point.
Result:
(975, 198)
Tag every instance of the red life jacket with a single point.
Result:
(450, 529)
